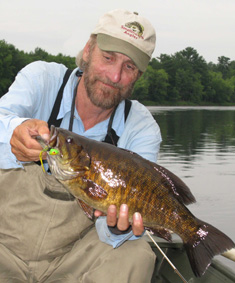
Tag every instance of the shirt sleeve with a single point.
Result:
(15, 107)
(141, 134)
(109, 238)
(7, 158)
(30, 96)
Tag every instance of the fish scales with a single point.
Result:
(123, 188)
(100, 174)
(128, 191)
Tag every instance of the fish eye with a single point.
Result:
(69, 139)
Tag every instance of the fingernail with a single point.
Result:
(112, 208)
(124, 207)
(137, 215)
(45, 137)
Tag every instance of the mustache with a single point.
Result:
(108, 82)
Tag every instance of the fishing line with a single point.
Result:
(168, 260)
(40, 157)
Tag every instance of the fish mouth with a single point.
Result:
(59, 166)
(54, 139)
(61, 171)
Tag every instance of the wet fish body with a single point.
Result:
(100, 174)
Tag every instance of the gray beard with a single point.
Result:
(107, 99)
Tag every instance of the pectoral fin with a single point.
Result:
(89, 211)
(94, 191)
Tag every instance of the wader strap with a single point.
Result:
(111, 136)
(127, 108)
(55, 110)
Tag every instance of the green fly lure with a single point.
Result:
(52, 151)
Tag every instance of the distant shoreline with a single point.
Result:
(184, 103)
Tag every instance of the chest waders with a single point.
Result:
(38, 219)
(46, 238)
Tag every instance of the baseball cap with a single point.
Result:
(127, 33)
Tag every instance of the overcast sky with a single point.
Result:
(64, 26)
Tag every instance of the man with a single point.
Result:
(44, 235)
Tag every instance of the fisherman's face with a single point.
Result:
(109, 77)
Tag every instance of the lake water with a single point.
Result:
(199, 147)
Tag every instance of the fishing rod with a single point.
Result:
(165, 256)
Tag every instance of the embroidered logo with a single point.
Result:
(134, 29)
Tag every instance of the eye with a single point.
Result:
(69, 140)
(130, 66)
(107, 56)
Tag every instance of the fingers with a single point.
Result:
(112, 216)
(43, 130)
(23, 145)
(137, 225)
(98, 213)
(122, 222)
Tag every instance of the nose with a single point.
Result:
(114, 73)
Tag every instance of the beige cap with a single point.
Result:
(127, 33)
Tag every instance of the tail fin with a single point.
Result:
(207, 243)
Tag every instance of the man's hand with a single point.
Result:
(122, 222)
(23, 145)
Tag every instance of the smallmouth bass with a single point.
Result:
(99, 174)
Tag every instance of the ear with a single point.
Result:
(86, 51)
(140, 75)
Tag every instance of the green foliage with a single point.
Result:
(183, 78)
(12, 61)
(141, 89)
(152, 85)
(188, 79)
(223, 90)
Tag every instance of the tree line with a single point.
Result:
(186, 78)
(182, 78)
(13, 60)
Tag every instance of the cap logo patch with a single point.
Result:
(133, 29)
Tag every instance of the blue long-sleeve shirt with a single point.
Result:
(32, 95)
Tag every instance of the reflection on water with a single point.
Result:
(199, 146)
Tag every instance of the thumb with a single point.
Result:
(43, 130)
(44, 133)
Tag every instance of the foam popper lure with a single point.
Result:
(52, 151)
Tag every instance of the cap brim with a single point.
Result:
(110, 43)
